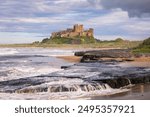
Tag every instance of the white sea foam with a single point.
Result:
(22, 72)
(7, 51)
(47, 52)
(14, 68)
(60, 95)
(57, 52)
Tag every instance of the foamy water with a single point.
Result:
(17, 63)
(7, 51)
(60, 95)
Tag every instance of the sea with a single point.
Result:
(19, 63)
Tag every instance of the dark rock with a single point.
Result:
(81, 53)
(65, 67)
(96, 55)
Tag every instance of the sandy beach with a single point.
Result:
(70, 58)
(138, 62)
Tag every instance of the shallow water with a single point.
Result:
(19, 62)
(137, 92)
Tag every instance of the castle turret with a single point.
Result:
(78, 28)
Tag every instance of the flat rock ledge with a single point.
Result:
(118, 55)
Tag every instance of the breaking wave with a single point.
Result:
(7, 51)
(21, 72)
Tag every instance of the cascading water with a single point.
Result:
(129, 84)
(87, 87)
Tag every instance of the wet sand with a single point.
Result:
(70, 58)
(140, 61)
(135, 64)
(137, 92)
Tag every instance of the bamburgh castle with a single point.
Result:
(76, 31)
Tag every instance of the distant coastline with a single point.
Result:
(101, 44)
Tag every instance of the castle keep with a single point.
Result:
(76, 31)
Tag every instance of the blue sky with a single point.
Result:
(25, 21)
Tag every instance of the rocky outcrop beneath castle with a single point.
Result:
(106, 55)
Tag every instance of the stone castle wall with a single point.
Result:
(77, 30)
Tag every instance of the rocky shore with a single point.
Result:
(93, 76)
(93, 73)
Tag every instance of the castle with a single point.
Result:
(76, 31)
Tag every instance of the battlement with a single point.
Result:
(76, 31)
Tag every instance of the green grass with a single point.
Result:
(116, 44)
(65, 40)
(142, 50)
(80, 42)
(99, 44)
(143, 47)
(86, 42)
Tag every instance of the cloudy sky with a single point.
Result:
(24, 21)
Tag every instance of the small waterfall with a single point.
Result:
(127, 85)
(129, 81)
(32, 90)
(107, 86)
(83, 87)
(130, 84)
(78, 87)
(87, 87)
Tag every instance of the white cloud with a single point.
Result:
(44, 16)
(48, 20)
(95, 3)
(18, 37)
(137, 25)
(69, 1)
(117, 23)
(112, 18)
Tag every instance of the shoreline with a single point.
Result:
(64, 47)
(138, 62)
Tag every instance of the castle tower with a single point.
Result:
(91, 31)
(78, 28)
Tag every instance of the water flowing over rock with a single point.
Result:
(79, 77)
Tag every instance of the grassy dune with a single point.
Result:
(101, 44)
(144, 47)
